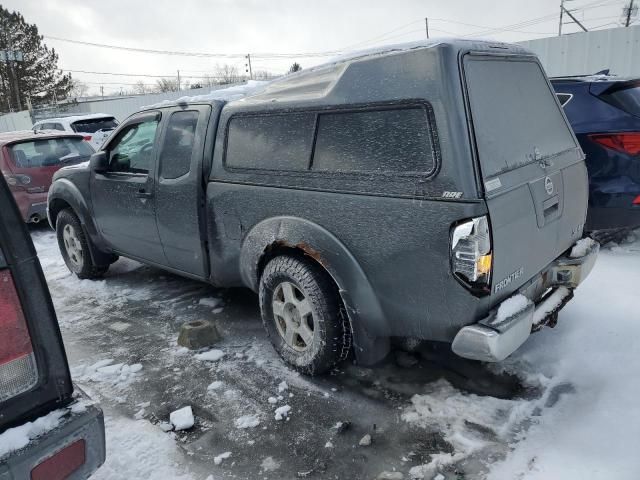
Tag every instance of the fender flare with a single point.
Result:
(368, 322)
(66, 191)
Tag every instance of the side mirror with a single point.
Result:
(99, 162)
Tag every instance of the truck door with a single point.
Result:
(180, 189)
(123, 198)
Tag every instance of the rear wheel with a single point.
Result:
(74, 246)
(303, 315)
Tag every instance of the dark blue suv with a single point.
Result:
(604, 112)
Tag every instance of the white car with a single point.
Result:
(95, 127)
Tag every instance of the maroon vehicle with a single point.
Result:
(28, 161)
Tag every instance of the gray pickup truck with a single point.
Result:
(430, 190)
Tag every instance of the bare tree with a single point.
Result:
(208, 81)
(78, 89)
(227, 74)
(166, 85)
(263, 75)
(141, 88)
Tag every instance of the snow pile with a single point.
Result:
(593, 432)
(269, 464)
(19, 437)
(211, 302)
(511, 306)
(282, 386)
(105, 371)
(247, 421)
(550, 304)
(215, 385)
(182, 419)
(210, 356)
(282, 412)
(219, 458)
(581, 247)
(464, 420)
(140, 450)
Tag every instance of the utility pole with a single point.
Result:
(426, 25)
(629, 12)
(560, 22)
(179, 80)
(576, 21)
(248, 66)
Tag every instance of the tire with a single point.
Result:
(75, 248)
(303, 315)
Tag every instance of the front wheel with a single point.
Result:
(74, 247)
(303, 315)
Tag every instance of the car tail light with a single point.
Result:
(17, 180)
(636, 201)
(471, 258)
(87, 138)
(625, 142)
(18, 370)
(62, 464)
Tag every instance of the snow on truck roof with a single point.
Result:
(327, 73)
(74, 118)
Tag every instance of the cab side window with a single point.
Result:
(177, 148)
(132, 151)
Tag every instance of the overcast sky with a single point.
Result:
(274, 27)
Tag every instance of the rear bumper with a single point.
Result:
(32, 206)
(86, 426)
(494, 338)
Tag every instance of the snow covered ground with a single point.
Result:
(564, 407)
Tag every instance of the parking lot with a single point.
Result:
(428, 413)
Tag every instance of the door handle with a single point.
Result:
(142, 193)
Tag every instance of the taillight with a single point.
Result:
(471, 259)
(62, 464)
(87, 138)
(18, 370)
(17, 180)
(625, 142)
(636, 201)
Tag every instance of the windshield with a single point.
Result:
(515, 114)
(50, 152)
(94, 124)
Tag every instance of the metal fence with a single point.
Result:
(617, 49)
(15, 121)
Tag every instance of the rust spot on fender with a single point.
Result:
(305, 247)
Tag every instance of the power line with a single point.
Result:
(192, 54)
(140, 74)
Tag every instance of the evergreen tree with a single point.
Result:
(295, 67)
(37, 77)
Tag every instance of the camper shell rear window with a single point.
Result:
(516, 117)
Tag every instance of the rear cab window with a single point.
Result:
(515, 116)
(50, 152)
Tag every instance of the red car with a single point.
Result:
(28, 161)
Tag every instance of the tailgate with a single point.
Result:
(34, 375)
(532, 168)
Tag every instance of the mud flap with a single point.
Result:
(368, 349)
